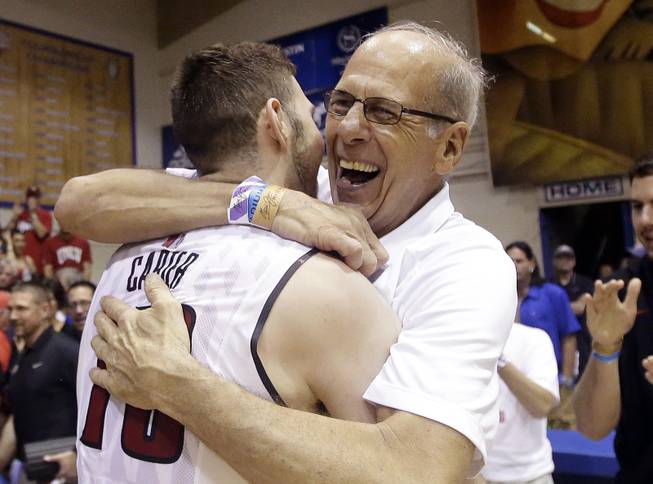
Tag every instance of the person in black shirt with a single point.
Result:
(41, 391)
(613, 391)
(575, 285)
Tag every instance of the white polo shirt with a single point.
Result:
(521, 450)
(454, 289)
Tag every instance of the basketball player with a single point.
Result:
(284, 322)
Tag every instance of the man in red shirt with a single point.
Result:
(66, 250)
(34, 222)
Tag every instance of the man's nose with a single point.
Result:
(354, 128)
(647, 214)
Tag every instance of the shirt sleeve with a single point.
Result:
(182, 172)
(457, 307)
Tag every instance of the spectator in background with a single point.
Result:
(66, 250)
(35, 223)
(8, 275)
(24, 263)
(41, 391)
(545, 306)
(58, 303)
(80, 295)
(3, 247)
(528, 391)
(575, 285)
(5, 340)
(613, 391)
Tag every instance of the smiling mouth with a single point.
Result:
(356, 173)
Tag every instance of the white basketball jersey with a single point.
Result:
(227, 279)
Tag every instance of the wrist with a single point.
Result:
(566, 381)
(607, 349)
(254, 202)
(177, 392)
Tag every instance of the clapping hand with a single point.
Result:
(608, 318)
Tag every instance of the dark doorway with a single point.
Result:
(599, 233)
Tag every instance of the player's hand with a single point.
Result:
(17, 209)
(140, 349)
(67, 464)
(330, 228)
(609, 319)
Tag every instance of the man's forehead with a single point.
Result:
(80, 292)
(21, 298)
(395, 60)
(642, 188)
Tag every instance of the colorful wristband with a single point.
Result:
(254, 202)
(606, 358)
(604, 349)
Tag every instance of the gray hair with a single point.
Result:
(460, 84)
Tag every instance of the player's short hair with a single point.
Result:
(217, 95)
(83, 283)
(41, 293)
(642, 167)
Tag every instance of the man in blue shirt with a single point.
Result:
(545, 306)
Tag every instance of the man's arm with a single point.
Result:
(16, 210)
(7, 443)
(127, 205)
(42, 229)
(538, 400)
(597, 397)
(263, 441)
(48, 270)
(569, 346)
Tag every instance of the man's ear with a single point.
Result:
(450, 151)
(275, 123)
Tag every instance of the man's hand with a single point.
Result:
(609, 319)
(647, 363)
(17, 209)
(330, 228)
(141, 348)
(67, 464)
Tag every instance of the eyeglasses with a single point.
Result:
(376, 109)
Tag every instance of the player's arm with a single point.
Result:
(127, 205)
(263, 441)
(326, 338)
(597, 397)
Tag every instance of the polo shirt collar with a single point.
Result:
(42, 340)
(425, 221)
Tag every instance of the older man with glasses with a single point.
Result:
(449, 281)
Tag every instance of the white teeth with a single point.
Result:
(355, 165)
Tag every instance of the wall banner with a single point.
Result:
(66, 109)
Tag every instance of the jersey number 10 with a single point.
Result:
(147, 435)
